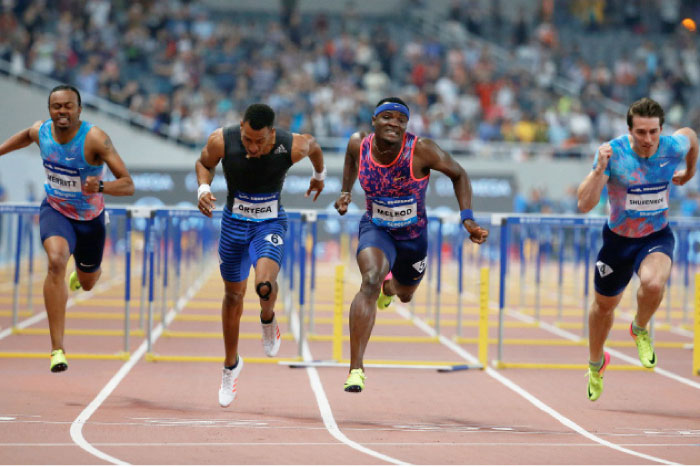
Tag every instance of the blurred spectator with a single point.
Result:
(528, 74)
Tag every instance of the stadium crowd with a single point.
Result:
(188, 69)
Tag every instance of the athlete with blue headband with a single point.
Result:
(638, 168)
(393, 167)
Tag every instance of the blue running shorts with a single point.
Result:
(242, 243)
(86, 239)
(620, 257)
(407, 258)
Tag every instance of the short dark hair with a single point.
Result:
(645, 107)
(66, 87)
(259, 116)
(395, 100)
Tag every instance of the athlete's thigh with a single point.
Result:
(614, 264)
(654, 258)
(411, 260)
(267, 241)
(90, 244)
(54, 224)
(234, 260)
(371, 236)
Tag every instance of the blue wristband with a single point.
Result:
(466, 214)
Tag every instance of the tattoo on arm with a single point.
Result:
(108, 144)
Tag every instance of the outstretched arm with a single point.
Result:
(432, 157)
(350, 170)
(205, 168)
(22, 139)
(306, 145)
(101, 145)
(681, 177)
(589, 190)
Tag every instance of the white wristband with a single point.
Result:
(203, 188)
(320, 176)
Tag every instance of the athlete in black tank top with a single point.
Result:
(263, 174)
(255, 157)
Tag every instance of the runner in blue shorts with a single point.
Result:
(255, 157)
(394, 170)
(71, 218)
(637, 169)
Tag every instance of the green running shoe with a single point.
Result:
(644, 347)
(595, 379)
(73, 282)
(58, 361)
(355, 381)
(383, 301)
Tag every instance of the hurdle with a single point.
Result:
(337, 338)
(25, 234)
(589, 226)
(296, 251)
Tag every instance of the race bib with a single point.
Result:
(62, 182)
(647, 200)
(255, 207)
(394, 213)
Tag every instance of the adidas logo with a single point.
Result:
(281, 149)
(603, 269)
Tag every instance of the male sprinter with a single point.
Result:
(637, 169)
(255, 157)
(72, 218)
(394, 170)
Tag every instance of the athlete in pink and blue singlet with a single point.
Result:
(394, 170)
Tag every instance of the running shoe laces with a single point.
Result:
(73, 282)
(355, 381)
(58, 361)
(595, 379)
(383, 301)
(229, 384)
(271, 337)
(645, 349)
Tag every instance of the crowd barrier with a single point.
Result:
(553, 256)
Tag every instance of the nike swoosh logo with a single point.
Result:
(663, 164)
(654, 248)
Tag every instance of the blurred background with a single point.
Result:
(520, 92)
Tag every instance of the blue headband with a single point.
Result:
(392, 106)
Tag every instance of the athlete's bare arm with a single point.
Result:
(99, 149)
(589, 190)
(22, 139)
(306, 145)
(205, 167)
(429, 156)
(681, 177)
(350, 171)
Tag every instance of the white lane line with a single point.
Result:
(526, 395)
(616, 353)
(324, 406)
(330, 443)
(76, 429)
(72, 301)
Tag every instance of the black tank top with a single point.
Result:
(264, 174)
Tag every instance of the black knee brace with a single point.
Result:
(264, 296)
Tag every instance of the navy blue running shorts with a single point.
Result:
(620, 257)
(86, 239)
(242, 243)
(407, 258)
